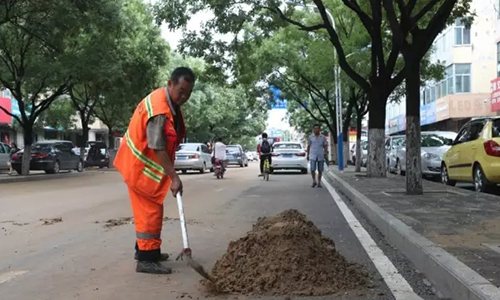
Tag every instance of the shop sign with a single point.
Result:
(5, 104)
(495, 94)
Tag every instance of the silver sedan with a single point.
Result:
(434, 145)
(193, 156)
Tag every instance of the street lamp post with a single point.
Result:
(338, 104)
(338, 96)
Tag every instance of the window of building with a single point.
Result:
(498, 59)
(448, 84)
(462, 78)
(462, 34)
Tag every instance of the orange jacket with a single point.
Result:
(136, 162)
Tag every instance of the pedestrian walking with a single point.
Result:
(13, 150)
(316, 148)
(146, 161)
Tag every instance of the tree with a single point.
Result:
(35, 64)
(60, 115)
(385, 72)
(136, 64)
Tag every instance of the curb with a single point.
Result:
(449, 275)
(42, 177)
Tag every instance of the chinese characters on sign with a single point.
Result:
(495, 94)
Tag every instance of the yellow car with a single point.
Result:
(474, 155)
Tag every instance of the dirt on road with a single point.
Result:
(286, 255)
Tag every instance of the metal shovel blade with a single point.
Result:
(186, 252)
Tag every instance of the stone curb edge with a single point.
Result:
(449, 275)
(42, 177)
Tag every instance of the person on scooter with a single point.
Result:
(220, 153)
(264, 149)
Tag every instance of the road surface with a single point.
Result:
(80, 258)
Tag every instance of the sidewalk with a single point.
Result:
(39, 176)
(464, 223)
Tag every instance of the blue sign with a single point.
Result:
(428, 113)
(278, 102)
(15, 107)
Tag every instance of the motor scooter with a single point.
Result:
(219, 168)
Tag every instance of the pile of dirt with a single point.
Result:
(285, 255)
(51, 221)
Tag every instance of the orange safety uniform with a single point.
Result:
(146, 179)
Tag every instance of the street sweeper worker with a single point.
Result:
(146, 161)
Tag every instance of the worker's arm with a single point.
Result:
(258, 150)
(157, 140)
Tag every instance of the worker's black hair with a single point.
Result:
(183, 72)
(317, 125)
(264, 135)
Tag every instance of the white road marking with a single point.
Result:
(399, 287)
(10, 275)
(219, 190)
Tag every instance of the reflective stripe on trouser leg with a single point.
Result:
(148, 218)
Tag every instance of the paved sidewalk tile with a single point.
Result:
(464, 223)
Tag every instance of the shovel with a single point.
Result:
(186, 252)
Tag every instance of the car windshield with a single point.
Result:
(435, 140)
(287, 146)
(188, 147)
(232, 149)
(41, 148)
(495, 130)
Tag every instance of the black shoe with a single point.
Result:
(152, 268)
(314, 184)
(319, 185)
(163, 256)
(260, 175)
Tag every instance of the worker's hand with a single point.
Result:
(176, 186)
(307, 158)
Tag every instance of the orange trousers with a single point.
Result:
(148, 218)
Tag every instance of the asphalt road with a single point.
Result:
(80, 258)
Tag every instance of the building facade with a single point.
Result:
(471, 60)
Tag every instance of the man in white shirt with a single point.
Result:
(220, 151)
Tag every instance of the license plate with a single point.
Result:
(181, 157)
(288, 155)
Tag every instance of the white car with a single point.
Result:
(250, 156)
(289, 156)
(193, 156)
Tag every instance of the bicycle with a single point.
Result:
(266, 169)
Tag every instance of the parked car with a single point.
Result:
(193, 156)
(4, 156)
(434, 145)
(289, 156)
(474, 155)
(392, 145)
(97, 155)
(51, 157)
(364, 153)
(236, 156)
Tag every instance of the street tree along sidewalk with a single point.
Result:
(406, 21)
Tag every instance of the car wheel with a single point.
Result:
(481, 184)
(79, 168)
(304, 171)
(55, 169)
(184, 171)
(445, 177)
(212, 169)
(241, 165)
(202, 170)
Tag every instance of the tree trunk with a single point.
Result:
(28, 141)
(376, 133)
(345, 129)
(85, 136)
(359, 155)
(111, 139)
(413, 155)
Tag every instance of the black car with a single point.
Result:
(98, 155)
(51, 157)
